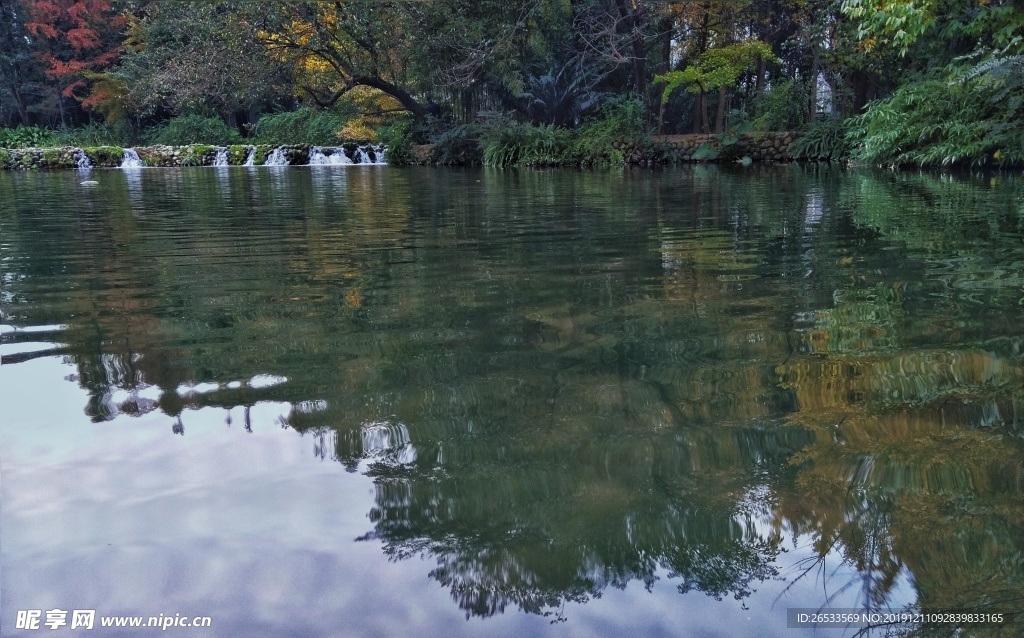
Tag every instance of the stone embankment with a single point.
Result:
(195, 155)
(678, 149)
(759, 147)
(662, 149)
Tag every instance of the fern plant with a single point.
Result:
(826, 140)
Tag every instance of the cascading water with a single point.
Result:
(381, 154)
(82, 160)
(131, 159)
(221, 158)
(362, 157)
(276, 158)
(251, 159)
(328, 157)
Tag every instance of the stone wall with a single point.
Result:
(167, 156)
(759, 147)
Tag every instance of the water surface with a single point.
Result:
(374, 401)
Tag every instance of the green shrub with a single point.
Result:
(303, 126)
(516, 144)
(5, 159)
(398, 138)
(120, 134)
(195, 129)
(620, 127)
(781, 108)
(825, 140)
(941, 123)
(459, 146)
(26, 137)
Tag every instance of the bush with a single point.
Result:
(303, 126)
(459, 146)
(195, 129)
(120, 134)
(782, 108)
(940, 123)
(605, 140)
(516, 144)
(825, 140)
(398, 138)
(26, 137)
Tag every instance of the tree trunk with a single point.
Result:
(723, 96)
(812, 106)
(697, 107)
(638, 48)
(705, 119)
(865, 89)
(404, 98)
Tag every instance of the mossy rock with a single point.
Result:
(237, 155)
(706, 152)
(105, 156)
(261, 153)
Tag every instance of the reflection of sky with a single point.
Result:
(258, 533)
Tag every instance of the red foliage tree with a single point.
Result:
(74, 38)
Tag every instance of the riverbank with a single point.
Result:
(666, 149)
(67, 157)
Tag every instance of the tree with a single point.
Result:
(717, 69)
(73, 37)
(188, 57)
(19, 71)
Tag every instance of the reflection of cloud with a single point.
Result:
(248, 531)
(266, 380)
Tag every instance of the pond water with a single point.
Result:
(370, 401)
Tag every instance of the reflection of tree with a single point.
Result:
(565, 382)
(911, 389)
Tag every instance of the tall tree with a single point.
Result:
(73, 37)
(192, 56)
(19, 71)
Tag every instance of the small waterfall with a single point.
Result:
(362, 157)
(221, 158)
(277, 158)
(131, 159)
(333, 156)
(381, 153)
(251, 159)
(82, 160)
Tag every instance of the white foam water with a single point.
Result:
(331, 156)
(276, 158)
(131, 159)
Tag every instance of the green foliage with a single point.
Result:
(825, 140)
(119, 133)
(895, 23)
(716, 68)
(937, 123)
(306, 125)
(781, 108)
(604, 140)
(195, 129)
(459, 146)
(237, 154)
(526, 145)
(25, 137)
(398, 138)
